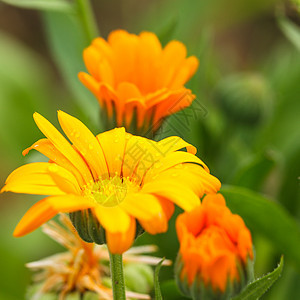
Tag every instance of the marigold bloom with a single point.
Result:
(83, 267)
(114, 178)
(215, 246)
(133, 73)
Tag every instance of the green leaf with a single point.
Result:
(54, 5)
(267, 218)
(257, 288)
(157, 291)
(253, 173)
(170, 290)
(290, 30)
(67, 40)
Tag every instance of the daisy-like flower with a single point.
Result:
(215, 256)
(84, 267)
(136, 81)
(109, 181)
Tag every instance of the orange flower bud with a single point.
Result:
(215, 256)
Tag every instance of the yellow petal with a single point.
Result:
(174, 143)
(46, 209)
(191, 176)
(171, 160)
(64, 179)
(45, 147)
(143, 206)
(119, 242)
(32, 178)
(84, 141)
(113, 144)
(173, 191)
(62, 145)
(113, 219)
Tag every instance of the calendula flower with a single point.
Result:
(215, 250)
(83, 268)
(109, 181)
(136, 81)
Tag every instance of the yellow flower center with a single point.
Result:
(109, 192)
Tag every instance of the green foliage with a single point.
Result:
(54, 5)
(290, 30)
(157, 291)
(260, 286)
(24, 81)
(67, 40)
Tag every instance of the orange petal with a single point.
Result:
(90, 83)
(172, 56)
(46, 209)
(185, 71)
(148, 61)
(127, 91)
(124, 47)
(119, 242)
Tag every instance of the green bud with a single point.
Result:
(199, 290)
(89, 228)
(245, 98)
(138, 278)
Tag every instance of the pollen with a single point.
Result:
(111, 191)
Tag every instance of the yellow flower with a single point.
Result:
(115, 178)
(131, 73)
(83, 267)
(215, 249)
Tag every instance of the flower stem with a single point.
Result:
(117, 276)
(87, 19)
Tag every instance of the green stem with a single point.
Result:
(87, 19)
(117, 276)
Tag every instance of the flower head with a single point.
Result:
(109, 181)
(83, 268)
(132, 74)
(215, 249)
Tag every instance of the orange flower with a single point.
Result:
(109, 181)
(214, 244)
(131, 73)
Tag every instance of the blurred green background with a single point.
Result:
(245, 121)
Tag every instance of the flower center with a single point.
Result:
(109, 192)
